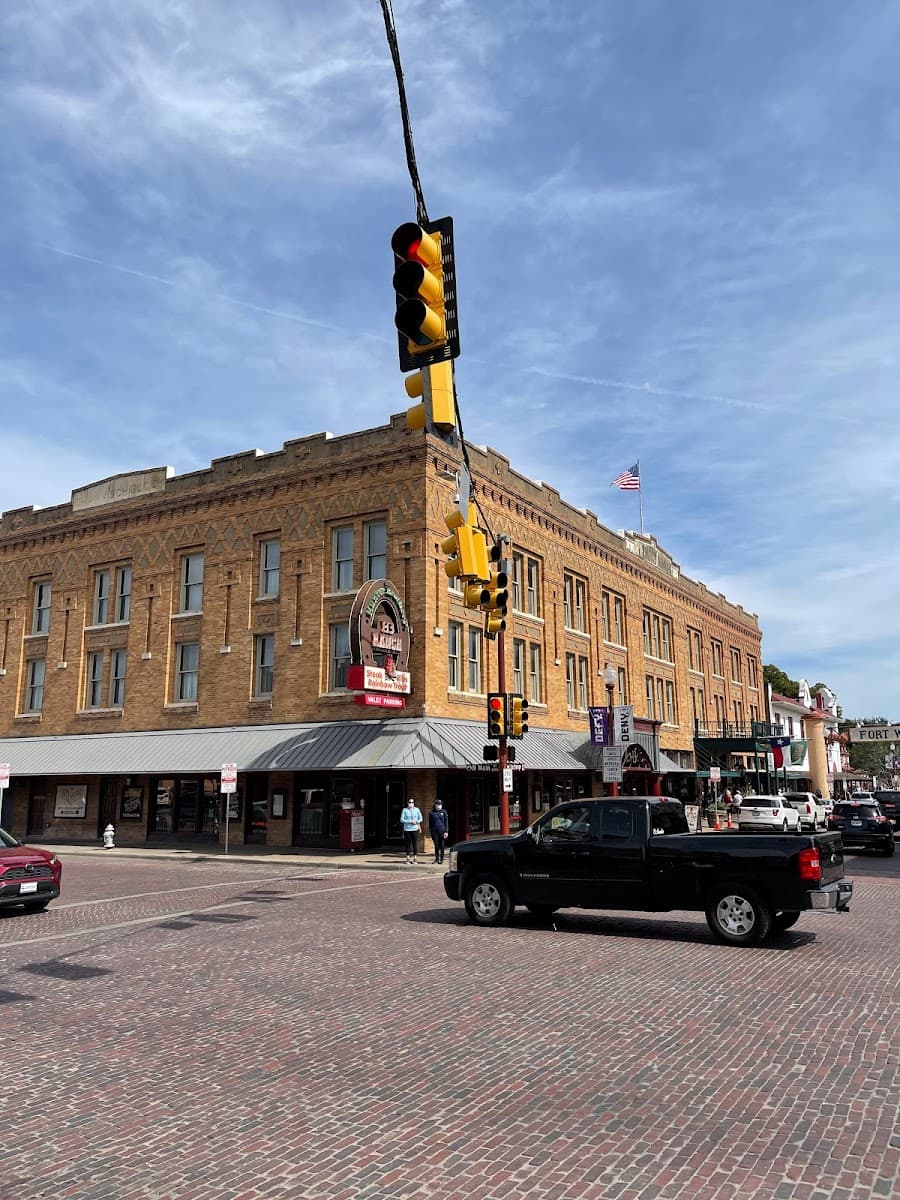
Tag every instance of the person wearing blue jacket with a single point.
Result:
(411, 820)
(438, 827)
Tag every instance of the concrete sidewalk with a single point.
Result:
(320, 860)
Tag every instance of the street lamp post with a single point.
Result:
(609, 679)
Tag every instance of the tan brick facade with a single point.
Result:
(139, 531)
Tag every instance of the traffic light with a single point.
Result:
(497, 597)
(437, 410)
(467, 547)
(425, 283)
(490, 753)
(518, 719)
(496, 715)
(475, 595)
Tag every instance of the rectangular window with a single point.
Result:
(123, 593)
(117, 679)
(474, 679)
(518, 575)
(623, 686)
(738, 713)
(264, 664)
(34, 684)
(93, 697)
(376, 550)
(192, 582)
(534, 672)
(568, 601)
(101, 597)
(670, 703)
(716, 652)
(340, 655)
(735, 665)
(646, 630)
(660, 701)
(605, 600)
(665, 649)
(582, 683)
(649, 697)
(187, 664)
(570, 680)
(40, 621)
(532, 597)
(580, 606)
(695, 653)
(269, 567)
(754, 714)
(618, 620)
(519, 666)
(719, 702)
(752, 678)
(454, 648)
(342, 573)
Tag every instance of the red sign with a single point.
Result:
(378, 700)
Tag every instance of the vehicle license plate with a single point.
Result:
(24, 888)
(855, 821)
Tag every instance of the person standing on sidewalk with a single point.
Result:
(411, 820)
(438, 827)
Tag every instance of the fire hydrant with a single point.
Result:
(109, 837)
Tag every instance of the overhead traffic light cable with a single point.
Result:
(421, 210)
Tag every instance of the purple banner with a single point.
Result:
(599, 718)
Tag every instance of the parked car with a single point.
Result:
(29, 877)
(890, 806)
(862, 826)
(812, 809)
(768, 812)
(862, 796)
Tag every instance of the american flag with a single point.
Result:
(630, 480)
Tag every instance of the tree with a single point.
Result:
(780, 682)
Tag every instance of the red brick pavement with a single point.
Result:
(280, 1032)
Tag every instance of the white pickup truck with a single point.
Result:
(811, 809)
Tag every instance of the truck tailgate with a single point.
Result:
(831, 855)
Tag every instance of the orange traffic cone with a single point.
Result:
(728, 821)
(717, 826)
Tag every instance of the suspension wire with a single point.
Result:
(421, 211)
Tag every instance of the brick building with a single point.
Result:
(156, 627)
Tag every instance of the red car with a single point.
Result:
(28, 876)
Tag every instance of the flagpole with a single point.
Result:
(641, 496)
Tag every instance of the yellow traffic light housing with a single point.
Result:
(518, 720)
(425, 286)
(496, 715)
(467, 547)
(437, 410)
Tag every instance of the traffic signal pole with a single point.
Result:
(503, 751)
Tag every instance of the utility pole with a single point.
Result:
(503, 752)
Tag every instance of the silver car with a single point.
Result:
(771, 813)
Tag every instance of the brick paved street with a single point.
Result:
(253, 1030)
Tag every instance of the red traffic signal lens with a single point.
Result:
(495, 704)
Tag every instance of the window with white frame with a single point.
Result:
(738, 712)
(715, 649)
(752, 675)
(269, 567)
(719, 703)
(191, 598)
(35, 673)
(660, 702)
(623, 686)
(531, 597)
(735, 665)
(117, 661)
(187, 668)
(581, 605)
(263, 664)
(570, 680)
(518, 576)
(101, 597)
(474, 660)
(340, 655)
(650, 697)
(123, 594)
(93, 696)
(568, 600)
(376, 549)
(519, 666)
(695, 649)
(582, 683)
(671, 715)
(534, 672)
(342, 561)
(40, 618)
(454, 650)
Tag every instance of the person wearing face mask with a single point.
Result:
(438, 827)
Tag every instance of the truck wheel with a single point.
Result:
(888, 851)
(736, 915)
(784, 827)
(784, 920)
(487, 900)
(544, 911)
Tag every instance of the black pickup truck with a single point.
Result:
(637, 853)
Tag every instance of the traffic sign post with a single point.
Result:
(227, 787)
(4, 781)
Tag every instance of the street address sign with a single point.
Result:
(875, 733)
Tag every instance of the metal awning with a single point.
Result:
(400, 743)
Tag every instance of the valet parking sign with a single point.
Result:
(380, 637)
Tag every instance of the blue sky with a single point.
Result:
(676, 234)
